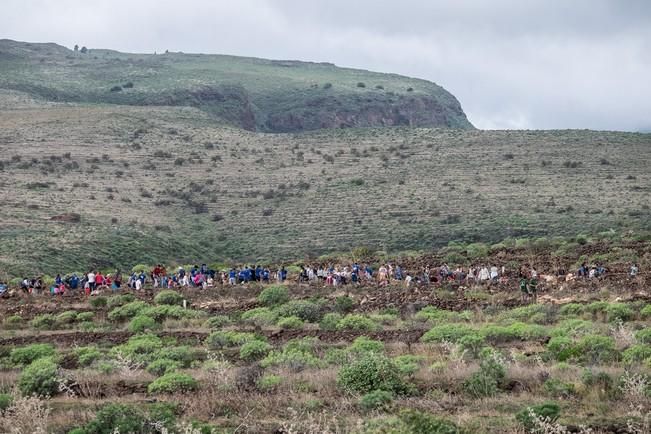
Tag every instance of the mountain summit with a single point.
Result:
(250, 93)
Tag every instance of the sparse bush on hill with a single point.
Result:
(26, 355)
(173, 382)
(372, 372)
(356, 322)
(39, 378)
(274, 295)
(254, 350)
(142, 323)
(169, 297)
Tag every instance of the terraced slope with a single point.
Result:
(254, 94)
(166, 184)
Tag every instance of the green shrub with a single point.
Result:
(221, 339)
(142, 323)
(127, 311)
(274, 295)
(559, 389)
(173, 382)
(39, 378)
(362, 345)
(66, 318)
(260, 316)
(376, 400)
(169, 297)
(447, 332)
(296, 354)
(98, 302)
(472, 343)
(116, 418)
(618, 312)
(636, 354)
(303, 309)
(596, 349)
(645, 312)
(87, 355)
(164, 311)
(356, 322)
(26, 355)
(184, 355)
(254, 350)
(417, 422)
(549, 410)
(162, 366)
(371, 372)
(515, 331)
(597, 307)
(573, 327)
(13, 322)
(269, 382)
(120, 300)
(644, 336)
(45, 321)
(434, 314)
(85, 316)
(329, 321)
(291, 322)
(480, 385)
(602, 380)
(344, 304)
(5, 401)
(562, 348)
(477, 250)
(218, 321)
(141, 348)
(407, 364)
(572, 309)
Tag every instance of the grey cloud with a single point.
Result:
(512, 64)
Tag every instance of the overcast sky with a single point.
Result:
(511, 63)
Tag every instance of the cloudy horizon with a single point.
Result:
(525, 65)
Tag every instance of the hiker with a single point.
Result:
(232, 275)
(484, 274)
(282, 274)
(408, 280)
(634, 270)
(494, 274)
(398, 273)
(91, 280)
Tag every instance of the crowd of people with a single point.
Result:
(330, 275)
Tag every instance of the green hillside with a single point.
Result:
(254, 94)
(167, 184)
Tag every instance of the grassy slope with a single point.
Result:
(391, 189)
(281, 95)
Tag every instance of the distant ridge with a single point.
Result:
(250, 93)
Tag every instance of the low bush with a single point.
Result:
(559, 389)
(173, 382)
(618, 312)
(85, 316)
(571, 309)
(39, 378)
(472, 344)
(254, 350)
(5, 401)
(113, 418)
(222, 339)
(274, 295)
(87, 355)
(644, 336)
(142, 323)
(447, 332)
(141, 348)
(269, 382)
(168, 297)
(637, 354)
(549, 411)
(407, 364)
(218, 321)
(434, 314)
(119, 300)
(645, 312)
(260, 316)
(515, 331)
(296, 354)
(417, 422)
(127, 311)
(329, 321)
(291, 322)
(372, 372)
(98, 302)
(376, 400)
(66, 318)
(26, 355)
(164, 311)
(596, 349)
(45, 321)
(362, 345)
(13, 322)
(356, 322)
(344, 304)
(562, 348)
(303, 309)
(162, 366)
(573, 327)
